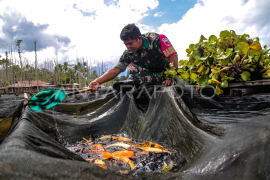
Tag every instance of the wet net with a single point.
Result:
(219, 138)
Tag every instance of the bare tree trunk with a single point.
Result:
(36, 65)
(56, 74)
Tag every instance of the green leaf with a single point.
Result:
(189, 50)
(268, 72)
(219, 50)
(212, 38)
(230, 78)
(225, 62)
(224, 84)
(242, 48)
(212, 50)
(183, 62)
(229, 50)
(232, 32)
(253, 52)
(185, 75)
(218, 90)
(193, 76)
(224, 56)
(191, 46)
(197, 55)
(197, 63)
(256, 58)
(212, 46)
(203, 80)
(191, 67)
(171, 72)
(180, 70)
(205, 58)
(245, 75)
(256, 39)
(266, 51)
(225, 34)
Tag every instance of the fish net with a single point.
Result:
(218, 138)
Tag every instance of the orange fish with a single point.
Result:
(155, 150)
(98, 162)
(121, 138)
(96, 151)
(105, 137)
(119, 145)
(120, 155)
(149, 144)
(96, 147)
(126, 160)
(114, 137)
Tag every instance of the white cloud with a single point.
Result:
(96, 36)
(209, 17)
(158, 14)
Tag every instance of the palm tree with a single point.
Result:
(60, 69)
(84, 68)
(76, 69)
(65, 67)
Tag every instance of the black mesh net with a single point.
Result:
(221, 138)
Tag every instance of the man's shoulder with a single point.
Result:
(152, 35)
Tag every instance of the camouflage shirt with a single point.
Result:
(150, 56)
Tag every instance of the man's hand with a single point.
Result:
(107, 76)
(167, 83)
(94, 85)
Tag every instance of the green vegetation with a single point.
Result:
(229, 58)
(14, 69)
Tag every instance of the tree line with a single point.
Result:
(19, 68)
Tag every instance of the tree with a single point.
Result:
(18, 44)
(6, 67)
(2, 62)
(60, 70)
(65, 67)
(36, 64)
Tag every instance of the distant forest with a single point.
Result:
(14, 69)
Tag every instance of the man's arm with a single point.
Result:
(107, 76)
(174, 60)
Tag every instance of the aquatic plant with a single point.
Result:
(219, 61)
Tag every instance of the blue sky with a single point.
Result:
(90, 29)
(171, 12)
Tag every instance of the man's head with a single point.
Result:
(132, 37)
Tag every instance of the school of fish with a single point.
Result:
(113, 150)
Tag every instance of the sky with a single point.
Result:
(91, 28)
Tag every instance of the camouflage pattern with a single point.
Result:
(142, 75)
(149, 57)
(147, 64)
(146, 77)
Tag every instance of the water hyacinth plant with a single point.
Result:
(229, 58)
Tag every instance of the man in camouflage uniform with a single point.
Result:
(147, 57)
